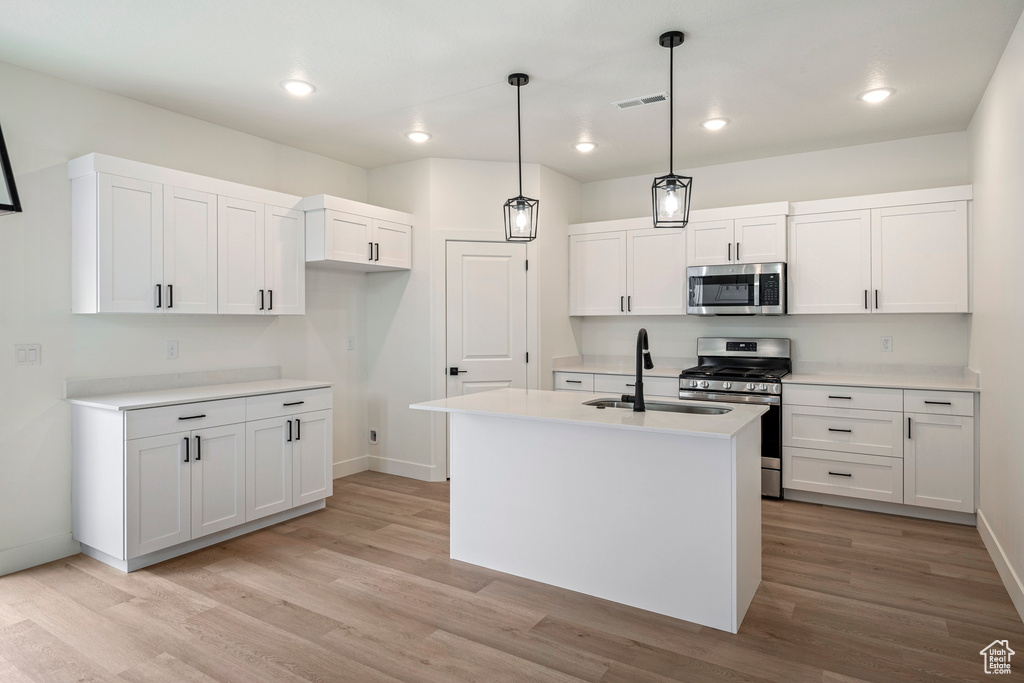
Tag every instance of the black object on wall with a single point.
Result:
(9, 202)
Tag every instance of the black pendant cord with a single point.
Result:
(671, 106)
(519, 135)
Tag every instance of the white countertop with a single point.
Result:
(213, 392)
(889, 382)
(565, 406)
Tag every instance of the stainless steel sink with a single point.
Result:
(660, 406)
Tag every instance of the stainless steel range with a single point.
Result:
(745, 370)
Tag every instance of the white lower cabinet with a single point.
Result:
(873, 477)
(939, 456)
(180, 485)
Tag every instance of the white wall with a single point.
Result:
(998, 332)
(932, 161)
(910, 164)
(46, 122)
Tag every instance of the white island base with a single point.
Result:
(667, 520)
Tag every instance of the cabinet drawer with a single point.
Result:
(845, 474)
(288, 403)
(574, 381)
(626, 384)
(939, 402)
(184, 417)
(863, 398)
(872, 432)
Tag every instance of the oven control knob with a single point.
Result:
(727, 385)
(693, 382)
(751, 387)
(762, 387)
(704, 384)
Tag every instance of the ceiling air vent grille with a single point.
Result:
(641, 101)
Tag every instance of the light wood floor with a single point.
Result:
(364, 591)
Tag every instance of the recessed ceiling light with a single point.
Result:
(877, 95)
(298, 88)
(584, 146)
(715, 124)
(418, 136)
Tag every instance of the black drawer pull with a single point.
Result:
(574, 381)
(845, 431)
(845, 398)
(192, 417)
(938, 403)
(630, 385)
(840, 474)
(294, 403)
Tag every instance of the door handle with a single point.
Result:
(170, 296)
(629, 302)
(622, 304)
(289, 431)
(737, 251)
(876, 298)
(865, 299)
(159, 300)
(371, 251)
(730, 251)
(454, 371)
(908, 429)
(199, 453)
(261, 299)
(378, 251)
(298, 429)
(270, 293)
(186, 449)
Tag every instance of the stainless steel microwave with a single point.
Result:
(741, 289)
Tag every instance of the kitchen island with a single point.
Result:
(657, 510)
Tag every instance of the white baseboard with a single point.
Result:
(351, 466)
(401, 468)
(1011, 580)
(882, 506)
(40, 552)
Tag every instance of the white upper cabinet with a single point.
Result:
(829, 268)
(241, 271)
(597, 274)
(919, 258)
(741, 240)
(190, 251)
(348, 235)
(285, 260)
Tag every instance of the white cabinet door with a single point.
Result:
(131, 251)
(829, 268)
(939, 462)
(597, 274)
(392, 244)
(285, 253)
(348, 237)
(240, 256)
(919, 258)
(218, 478)
(311, 458)
(268, 466)
(709, 243)
(190, 251)
(158, 492)
(760, 240)
(656, 272)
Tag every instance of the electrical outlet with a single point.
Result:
(350, 343)
(373, 436)
(172, 350)
(886, 344)
(28, 354)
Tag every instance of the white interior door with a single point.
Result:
(190, 251)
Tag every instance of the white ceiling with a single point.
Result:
(786, 72)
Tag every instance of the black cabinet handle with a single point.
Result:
(840, 474)
(298, 429)
(622, 304)
(574, 381)
(270, 293)
(170, 296)
(629, 303)
(261, 299)
(909, 429)
(199, 453)
(378, 252)
(371, 251)
(730, 251)
(192, 417)
(289, 430)
(159, 300)
(865, 299)
(876, 298)
(938, 403)
(737, 251)
(845, 398)
(293, 403)
(186, 449)
(845, 431)
(630, 385)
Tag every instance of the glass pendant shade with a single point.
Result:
(671, 196)
(521, 219)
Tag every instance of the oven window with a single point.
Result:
(722, 290)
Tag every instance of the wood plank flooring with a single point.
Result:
(364, 591)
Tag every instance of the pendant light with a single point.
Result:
(520, 212)
(671, 193)
(9, 202)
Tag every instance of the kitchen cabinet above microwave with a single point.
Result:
(760, 239)
(349, 235)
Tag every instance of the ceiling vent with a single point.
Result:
(641, 101)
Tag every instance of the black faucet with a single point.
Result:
(641, 351)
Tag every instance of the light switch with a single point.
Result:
(28, 354)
